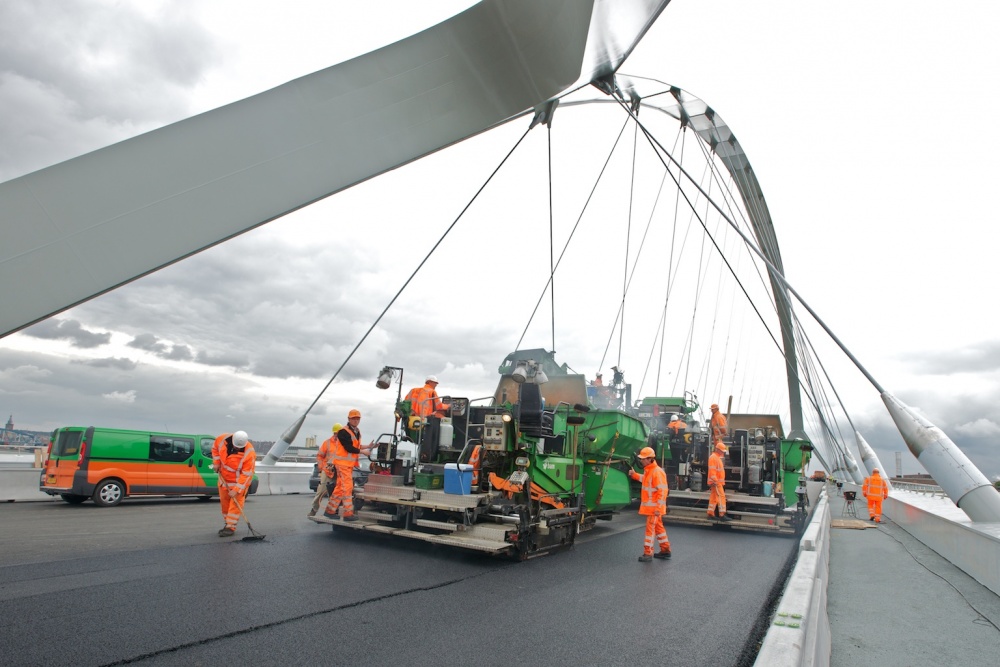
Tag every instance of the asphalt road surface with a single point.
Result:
(150, 583)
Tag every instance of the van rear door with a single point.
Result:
(64, 459)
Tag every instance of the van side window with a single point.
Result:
(170, 449)
(206, 447)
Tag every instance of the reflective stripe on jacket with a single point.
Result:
(654, 490)
(875, 487)
(237, 468)
(716, 471)
(341, 456)
(424, 401)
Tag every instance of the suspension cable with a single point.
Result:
(416, 270)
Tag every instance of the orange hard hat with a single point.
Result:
(719, 446)
(354, 413)
(647, 453)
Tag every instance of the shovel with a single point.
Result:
(254, 536)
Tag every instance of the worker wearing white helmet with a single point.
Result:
(234, 458)
(425, 402)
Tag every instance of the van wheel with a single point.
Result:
(109, 493)
(72, 498)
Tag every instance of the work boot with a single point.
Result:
(312, 512)
(221, 532)
(331, 515)
(725, 517)
(645, 558)
(227, 531)
(350, 517)
(662, 554)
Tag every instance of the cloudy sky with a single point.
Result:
(862, 120)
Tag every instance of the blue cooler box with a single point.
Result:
(458, 479)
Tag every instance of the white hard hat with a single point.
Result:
(240, 439)
(431, 378)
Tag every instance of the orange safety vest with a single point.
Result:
(323, 455)
(424, 400)
(719, 425)
(716, 471)
(653, 499)
(237, 468)
(342, 457)
(677, 425)
(875, 486)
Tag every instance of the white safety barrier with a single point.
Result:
(938, 523)
(800, 630)
(21, 484)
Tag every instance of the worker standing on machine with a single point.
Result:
(719, 425)
(653, 504)
(676, 425)
(717, 481)
(424, 401)
(875, 490)
(346, 447)
(237, 460)
(327, 472)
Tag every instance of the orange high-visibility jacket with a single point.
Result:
(324, 453)
(719, 425)
(424, 400)
(716, 471)
(219, 448)
(237, 468)
(654, 489)
(676, 425)
(475, 463)
(875, 487)
(346, 447)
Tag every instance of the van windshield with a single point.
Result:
(67, 443)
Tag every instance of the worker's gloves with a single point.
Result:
(232, 493)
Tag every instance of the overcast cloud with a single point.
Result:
(839, 109)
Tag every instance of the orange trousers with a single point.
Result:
(654, 527)
(343, 493)
(230, 510)
(717, 498)
(875, 508)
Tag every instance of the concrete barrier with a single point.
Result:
(938, 523)
(800, 629)
(21, 484)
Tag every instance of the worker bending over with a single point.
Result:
(237, 460)
(875, 489)
(653, 504)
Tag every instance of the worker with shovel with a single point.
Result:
(237, 460)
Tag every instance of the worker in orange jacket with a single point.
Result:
(676, 424)
(237, 460)
(653, 504)
(346, 447)
(424, 401)
(475, 460)
(717, 481)
(875, 489)
(327, 476)
(718, 424)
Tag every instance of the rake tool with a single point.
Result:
(254, 536)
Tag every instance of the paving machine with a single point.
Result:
(519, 473)
(765, 490)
